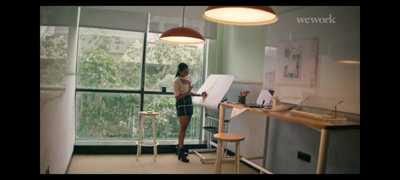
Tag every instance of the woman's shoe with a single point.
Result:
(186, 151)
(177, 150)
(182, 155)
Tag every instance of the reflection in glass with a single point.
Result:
(53, 55)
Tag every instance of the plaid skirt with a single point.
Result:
(184, 106)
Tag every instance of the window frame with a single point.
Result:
(141, 91)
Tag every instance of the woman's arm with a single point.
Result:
(180, 96)
(194, 94)
(204, 94)
(189, 92)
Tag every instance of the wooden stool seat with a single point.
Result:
(228, 137)
(223, 137)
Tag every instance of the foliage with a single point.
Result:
(106, 115)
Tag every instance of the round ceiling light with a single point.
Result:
(240, 15)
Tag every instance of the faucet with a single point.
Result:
(335, 112)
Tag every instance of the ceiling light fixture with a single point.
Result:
(241, 15)
(182, 35)
(348, 61)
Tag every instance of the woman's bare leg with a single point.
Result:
(184, 122)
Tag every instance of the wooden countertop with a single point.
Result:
(288, 117)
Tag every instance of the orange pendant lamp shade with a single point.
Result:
(182, 35)
(241, 15)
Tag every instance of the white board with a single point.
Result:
(216, 86)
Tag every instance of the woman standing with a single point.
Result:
(184, 108)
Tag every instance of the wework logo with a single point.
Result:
(316, 20)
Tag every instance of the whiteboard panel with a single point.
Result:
(216, 86)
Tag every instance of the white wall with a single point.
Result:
(240, 51)
(57, 113)
(57, 129)
(243, 52)
(335, 81)
(337, 41)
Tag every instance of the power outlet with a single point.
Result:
(303, 156)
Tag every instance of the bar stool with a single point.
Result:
(140, 142)
(223, 137)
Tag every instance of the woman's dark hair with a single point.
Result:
(181, 67)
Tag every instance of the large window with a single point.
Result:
(168, 123)
(163, 58)
(106, 117)
(109, 59)
(109, 79)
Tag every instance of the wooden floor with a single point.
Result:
(165, 164)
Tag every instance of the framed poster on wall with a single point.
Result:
(291, 69)
(296, 63)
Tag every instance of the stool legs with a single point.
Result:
(220, 154)
(138, 152)
(220, 157)
(141, 136)
(154, 138)
(237, 157)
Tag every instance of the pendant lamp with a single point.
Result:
(182, 35)
(241, 15)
